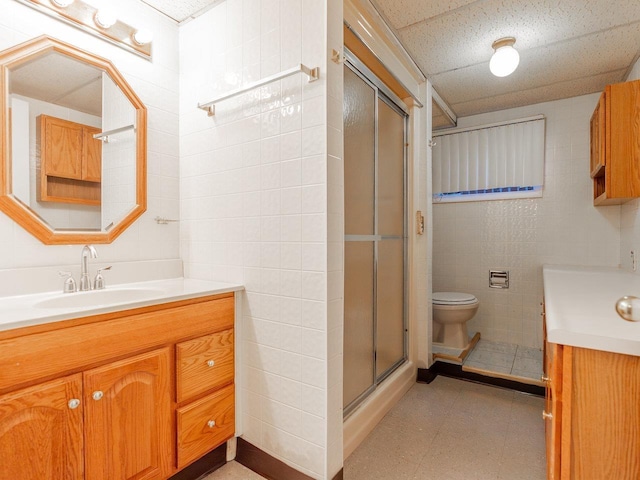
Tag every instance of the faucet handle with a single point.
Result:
(69, 283)
(98, 284)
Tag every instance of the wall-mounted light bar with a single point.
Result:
(100, 22)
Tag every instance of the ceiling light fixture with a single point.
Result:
(105, 18)
(62, 3)
(505, 59)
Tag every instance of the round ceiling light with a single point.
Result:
(105, 18)
(142, 37)
(505, 59)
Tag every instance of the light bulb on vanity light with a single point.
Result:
(505, 59)
(105, 18)
(62, 3)
(142, 37)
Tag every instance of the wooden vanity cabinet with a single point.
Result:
(138, 394)
(615, 144)
(592, 414)
(70, 162)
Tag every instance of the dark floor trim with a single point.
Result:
(204, 466)
(455, 371)
(264, 464)
(339, 475)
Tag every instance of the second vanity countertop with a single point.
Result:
(27, 310)
(580, 308)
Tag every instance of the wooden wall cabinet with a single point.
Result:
(94, 398)
(592, 414)
(70, 162)
(615, 144)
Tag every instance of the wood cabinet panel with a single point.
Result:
(40, 435)
(92, 155)
(61, 147)
(128, 407)
(31, 358)
(195, 373)
(196, 435)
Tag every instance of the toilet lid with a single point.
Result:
(453, 298)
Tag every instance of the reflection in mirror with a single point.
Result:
(53, 99)
(75, 156)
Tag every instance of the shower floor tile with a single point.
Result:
(505, 359)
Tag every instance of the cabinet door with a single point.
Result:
(61, 147)
(553, 408)
(598, 158)
(41, 432)
(128, 418)
(91, 155)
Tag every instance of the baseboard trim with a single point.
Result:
(264, 464)
(455, 371)
(204, 466)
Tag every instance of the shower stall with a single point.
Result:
(375, 270)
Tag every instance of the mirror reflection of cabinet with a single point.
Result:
(67, 186)
(70, 162)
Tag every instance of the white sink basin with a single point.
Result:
(100, 297)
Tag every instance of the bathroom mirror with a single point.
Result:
(73, 144)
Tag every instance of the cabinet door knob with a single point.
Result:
(74, 403)
(546, 415)
(545, 379)
(97, 395)
(211, 423)
(211, 363)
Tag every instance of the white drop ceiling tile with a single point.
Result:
(575, 59)
(181, 10)
(464, 36)
(407, 12)
(545, 93)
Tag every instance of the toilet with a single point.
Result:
(451, 312)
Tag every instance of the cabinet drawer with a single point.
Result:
(204, 363)
(205, 424)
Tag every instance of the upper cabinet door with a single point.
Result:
(61, 147)
(91, 155)
(128, 404)
(41, 432)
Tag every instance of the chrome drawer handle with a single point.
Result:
(211, 423)
(74, 403)
(211, 363)
(546, 415)
(545, 379)
(97, 395)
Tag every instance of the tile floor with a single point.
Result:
(505, 358)
(447, 430)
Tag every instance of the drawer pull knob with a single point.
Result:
(97, 395)
(545, 379)
(211, 363)
(74, 403)
(546, 415)
(211, 423)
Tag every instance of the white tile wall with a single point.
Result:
(261, 204)
(521, 235)
(156, 83)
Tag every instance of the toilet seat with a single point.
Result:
(453, 298)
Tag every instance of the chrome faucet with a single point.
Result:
(85, 283)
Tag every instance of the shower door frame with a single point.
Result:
(383, 93)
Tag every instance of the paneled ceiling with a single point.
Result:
(567, 47)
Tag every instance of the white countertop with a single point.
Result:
(580, 308)
(23, 310)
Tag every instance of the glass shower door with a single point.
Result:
(375, 238)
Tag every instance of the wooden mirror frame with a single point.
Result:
(17, 210)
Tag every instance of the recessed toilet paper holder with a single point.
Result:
(498, 278)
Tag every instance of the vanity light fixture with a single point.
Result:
(505, 59)
(62, 3)
(142, 37)
(105, 18)
(101, 22)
